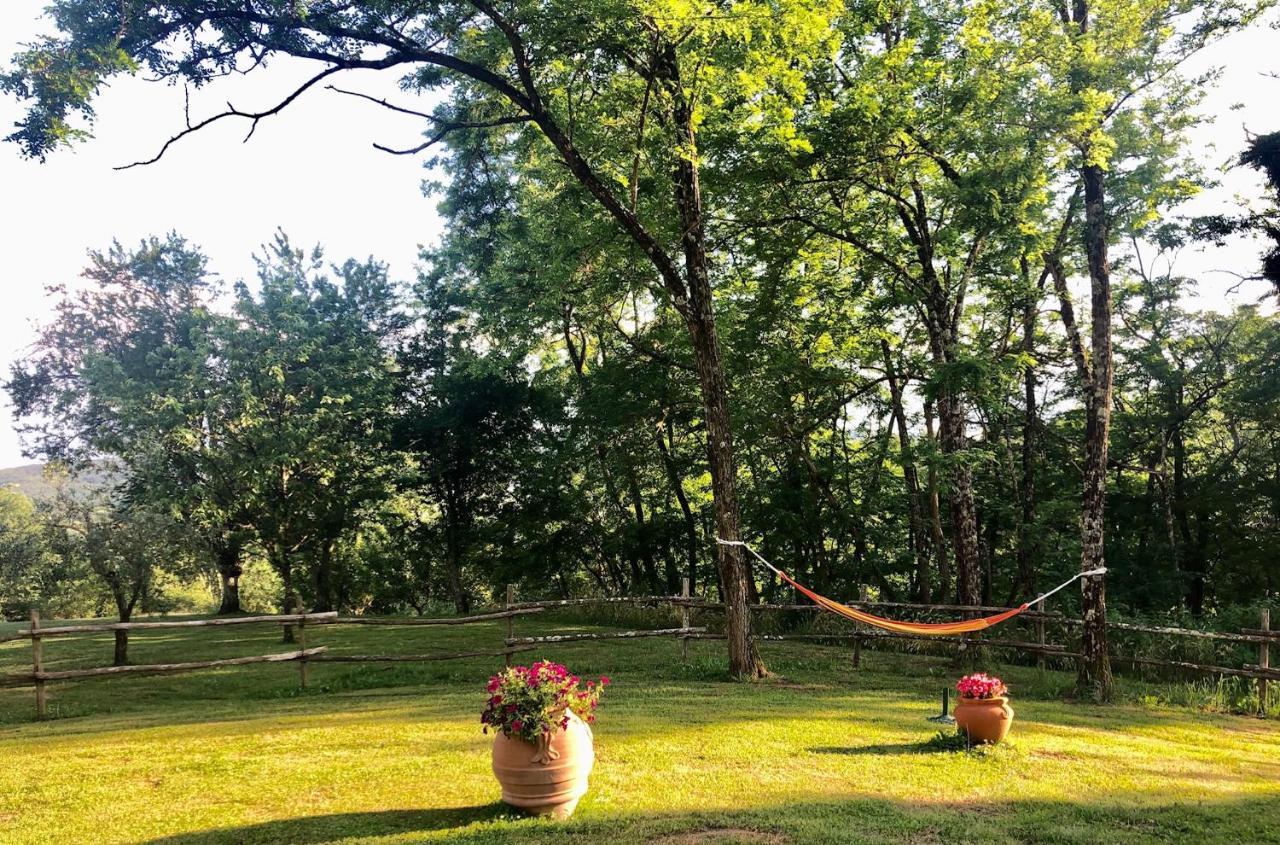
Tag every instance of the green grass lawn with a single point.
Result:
(394, 753)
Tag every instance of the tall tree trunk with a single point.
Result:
(922, 588)
(936, 533)
(677, 489)
(324, 599)
(121, 655)
(735, 576)
(227, 554)
(288, 598)
(644, 537)
(942, 321)
(964, 517)
(1191, 558)
(1094, 676)
(691, 296)
(453, 529)
(1026, 527)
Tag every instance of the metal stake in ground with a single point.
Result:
(944, 718)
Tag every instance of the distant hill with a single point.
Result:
(30, 479)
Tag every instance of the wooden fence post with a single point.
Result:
(302, 642)
(1039, 607)
(37, 666)
(684, 620)
(1264, 662)
(511, 623)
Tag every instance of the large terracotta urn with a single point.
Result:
(984, 720)
(546, 777)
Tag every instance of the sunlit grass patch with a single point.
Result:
(821, 753)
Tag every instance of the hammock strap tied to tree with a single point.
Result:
(932, 629)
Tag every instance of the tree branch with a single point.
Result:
(255, 117)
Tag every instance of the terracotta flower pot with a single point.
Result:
(549, 776)
(984, 719)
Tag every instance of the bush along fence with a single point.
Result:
(823, 628)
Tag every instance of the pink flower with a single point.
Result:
(539, 699)
(981, 686)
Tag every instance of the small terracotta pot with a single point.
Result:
(549, 776)
(984, 719)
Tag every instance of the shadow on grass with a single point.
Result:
(926, 747)
(313, 830)
(862, 820)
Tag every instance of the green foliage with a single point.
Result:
(30, 575)
(887, 192)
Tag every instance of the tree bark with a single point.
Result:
(1191, 559)
(124, 610)
(744, 661)
(280, 562)
(677, 489)
(453, 530)
(922, 588)
(938, 536)
(324, 598)
(230, 584)
(1027, 545)
(943, 312)
(1094, 676)
(643, 535)
(964, 516)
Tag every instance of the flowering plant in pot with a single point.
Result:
(543, 749)
(983, 713)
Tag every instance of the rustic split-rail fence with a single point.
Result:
(684, 604)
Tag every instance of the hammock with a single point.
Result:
(931, 629)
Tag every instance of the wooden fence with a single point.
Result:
(685, 604)
(1039, 647)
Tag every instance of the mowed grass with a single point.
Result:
(394, 754)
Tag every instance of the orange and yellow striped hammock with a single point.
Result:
(929, 629)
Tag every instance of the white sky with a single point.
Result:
(312, 172)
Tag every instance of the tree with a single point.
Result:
(125, 374)
(463, 418)
(25, 561)
(123, 549)
(522, 67)
(1118, 78)
(1263, 154)
(304, 408)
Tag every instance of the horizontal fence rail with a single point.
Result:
(417, 658)
(111, 627)
(441, 620)
(612, 635)
(163, 668)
